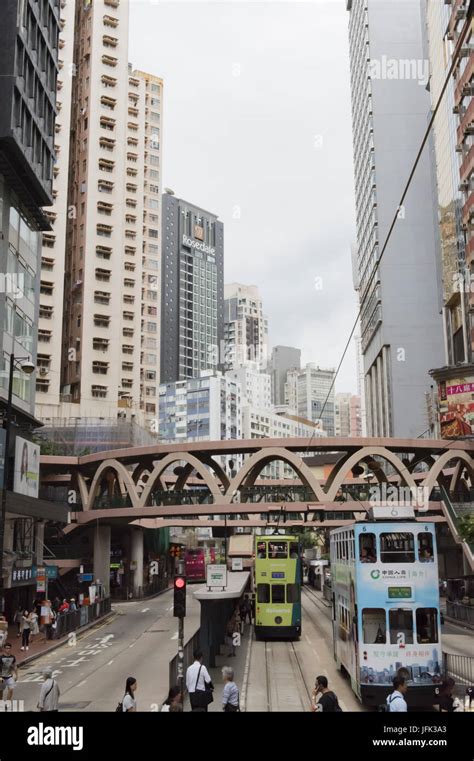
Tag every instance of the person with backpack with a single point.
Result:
(327, 699)
(396, 702)
(128, 704)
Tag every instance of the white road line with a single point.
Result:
(175, 636)
(246, 671)
(132, 645)
(81, 683)
(110, 662)
(145, 610)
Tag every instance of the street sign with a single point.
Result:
(216, 576)
(237, 564)
(86, 577)
(41, 579)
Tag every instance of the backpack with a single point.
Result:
(385, 707)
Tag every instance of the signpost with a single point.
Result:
(237, 564)
(216, 577)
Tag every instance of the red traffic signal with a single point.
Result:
(179, 601)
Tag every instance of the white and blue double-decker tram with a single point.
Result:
(386, 619)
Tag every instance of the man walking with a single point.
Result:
(199, 684)
(49, 693)
(8, 671)
(396, 702)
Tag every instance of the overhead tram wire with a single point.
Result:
(405, 191)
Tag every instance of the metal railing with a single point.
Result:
(460, 612)
(69, 622)
(459, 667)
(190, 646)
(138, 593)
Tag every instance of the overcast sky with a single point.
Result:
(257, 129)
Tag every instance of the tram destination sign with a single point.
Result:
(399, 593)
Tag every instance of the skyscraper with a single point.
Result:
(311, 392)
(192, 305)
(100, 288)
(245, 326)
(283, 358)
(401, 336)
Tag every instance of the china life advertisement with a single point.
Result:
(456, 407)
(27, 457)
(399, 621)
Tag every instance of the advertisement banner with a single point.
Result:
(456, 407)
(27, 456)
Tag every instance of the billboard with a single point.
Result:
(456, 407)
(27, 457)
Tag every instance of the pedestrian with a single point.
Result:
(64, 607)
(448, 703)
(199, 684)
(73, 606)
(231, 628)
(323, 699)
(34, 628)
(173, 699)
(396, 702)
(248, 609)
(17, 620)
(3, 630)
(8, 671)
(230, 693)
(25, 630)
(49, 693)
(129, 703)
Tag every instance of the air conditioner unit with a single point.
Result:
(43, 371)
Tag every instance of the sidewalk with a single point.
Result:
(237, 662)
(40, 645)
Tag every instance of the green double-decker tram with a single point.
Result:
(278, 578)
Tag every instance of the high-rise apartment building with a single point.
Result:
(311, 392)
(347, 415)
(192, 304)
(453, 139)
(401, 334)
(29, 47)
(100, 354)
(256, 386)
(245, 327)
(283, 358)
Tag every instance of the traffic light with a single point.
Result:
(179, 602)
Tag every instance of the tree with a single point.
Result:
(466, 528)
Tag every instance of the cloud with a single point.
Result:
(257, 128)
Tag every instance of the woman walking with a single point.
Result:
(129, 704)
(173, 701)
(25, 630)
(34, 627)
(230, 693)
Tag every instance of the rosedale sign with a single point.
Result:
(198, 246)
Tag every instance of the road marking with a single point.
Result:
(308, 639)
(175, 636)
(132, 645)
(246, 671)
(110, 662)
(80, 683)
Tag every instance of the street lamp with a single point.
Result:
(26, 365)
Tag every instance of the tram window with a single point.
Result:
(374, 626)
(261, 550)
(397, 547)
(425, 547)
(292, 593)
(278, 593)
(293, 550)
(400, 621)
(367, 551)
(263, 593)
(277, 549)
(426, 625)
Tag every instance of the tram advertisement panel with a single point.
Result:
(398, 607)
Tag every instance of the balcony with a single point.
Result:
(132, 111)
(467, 165)
(130, 250)
(101, 297)
(108, 102)
(107, 123)
(464, 86)
(468, 209)
(105, 208)
(104, 230)
(107, 144)
(101, 320)
(102, 274)
(109, 60)
(100, 368)
(466, 125)
(110, 21)
(104, 186)
(112, 3)
(99, 392)
(103, 252)
(106, 166)
(109, 42)
(458, 12)
(108, 81)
